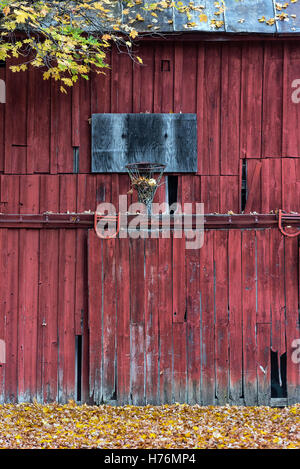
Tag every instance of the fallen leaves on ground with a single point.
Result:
(168, 426)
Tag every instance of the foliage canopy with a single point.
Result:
(68, 38)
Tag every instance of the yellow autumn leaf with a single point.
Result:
(133, 34)
(203, 17)
(6, 10)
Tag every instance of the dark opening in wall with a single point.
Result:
(75, 159)
(165, 66)
(172, 190)
(78, 367)
(244, 185)
(278, 375)
(2, 64)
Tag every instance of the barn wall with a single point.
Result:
(241, 92)
(246, 118)
(196, 325)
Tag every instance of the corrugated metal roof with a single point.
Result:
(237, 17)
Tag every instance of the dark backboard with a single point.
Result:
(119, 139)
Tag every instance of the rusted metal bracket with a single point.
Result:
(289, 219)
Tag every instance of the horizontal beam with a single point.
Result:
(86, 220)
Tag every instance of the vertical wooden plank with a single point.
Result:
(263, 276)
(292, 317)
(29, 193)
(249, 317)
(178, 76)
(151, 320)
(80, 282)
(272, 100)
(211, 122)
(271, 184)
(187, 183)
(38, 125)
(207, 326)
(109, 320)
(193, 326)
(84, 127)
(164, 79)
(189, 68)
(101, 89)
(137, 371)
(165, 320)
(18, 162)
(28, 293)
(81, 308)
(277, 293)
(86, 192)
(179, 320)
(137, 318)
(230, 109)
(66, 310)
(10, 194)
(67, 193)
(75, 109)
(61, 150)
(48, 344)
(229, 194)
(210, 193)
(263, 340)
(121, 82)
(143, 80)
(235, 315)
(2, 123)
(137, 280)
(179, 286)
(12, 316)
(221, 316)
(251, 99)
(27, 315)
(47, 318)
(49, 193)
(3, 305)
(263, 318)
(123, 321)
(254, 195)
(95, 304)
(200, 105)
(16, 104)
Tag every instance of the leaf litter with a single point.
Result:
(57, 426)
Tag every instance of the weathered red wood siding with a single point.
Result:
(241, 92)
(232, 308)
(217, 348)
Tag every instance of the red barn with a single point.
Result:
(146, 320)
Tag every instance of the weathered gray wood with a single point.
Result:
(196, 22)
(278, 402)
(119, 139)
(108, 142)
(244, 16)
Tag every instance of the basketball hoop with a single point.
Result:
(145, 179)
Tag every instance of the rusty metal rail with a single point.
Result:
(211, 221)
